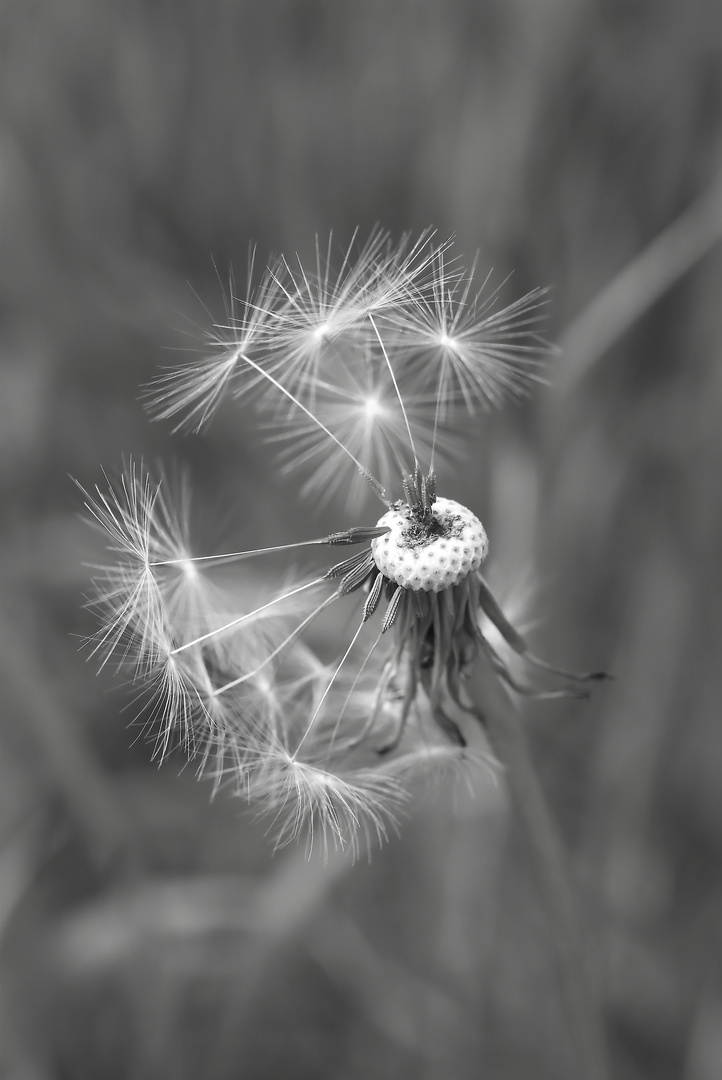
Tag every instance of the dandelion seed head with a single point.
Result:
(372, 408)
(320, 695)
(321, 333)
(478, 350)
(335, 807)
(189, 570)
(358, 403)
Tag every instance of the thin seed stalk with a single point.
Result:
(551, 871)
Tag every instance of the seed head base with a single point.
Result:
(430, 552)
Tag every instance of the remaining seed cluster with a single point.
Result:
(430, 555)
(368, 367)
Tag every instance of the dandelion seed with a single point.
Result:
(357, 402)
(195, 391)
(477, 349)
(366, 369)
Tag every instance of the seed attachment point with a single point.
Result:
(431, 552)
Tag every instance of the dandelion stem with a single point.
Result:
(244, 618)
(396, 388)
(234, 556)
(550, 868)
(437, 412)
(350, 536)
(367, 726)
(299, 404)
(327, 691)
(279, 648)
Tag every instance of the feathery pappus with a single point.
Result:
(360, 374)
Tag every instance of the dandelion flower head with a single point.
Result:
(360, 374)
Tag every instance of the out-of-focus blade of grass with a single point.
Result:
(62, 757)
(388, 994)
(641, 712)
(578, 982)
(157, 941)
(161, 935)
(635, 289)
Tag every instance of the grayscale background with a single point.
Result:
(146, 932)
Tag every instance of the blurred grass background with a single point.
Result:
(145, 932)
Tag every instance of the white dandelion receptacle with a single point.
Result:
(430, 556)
